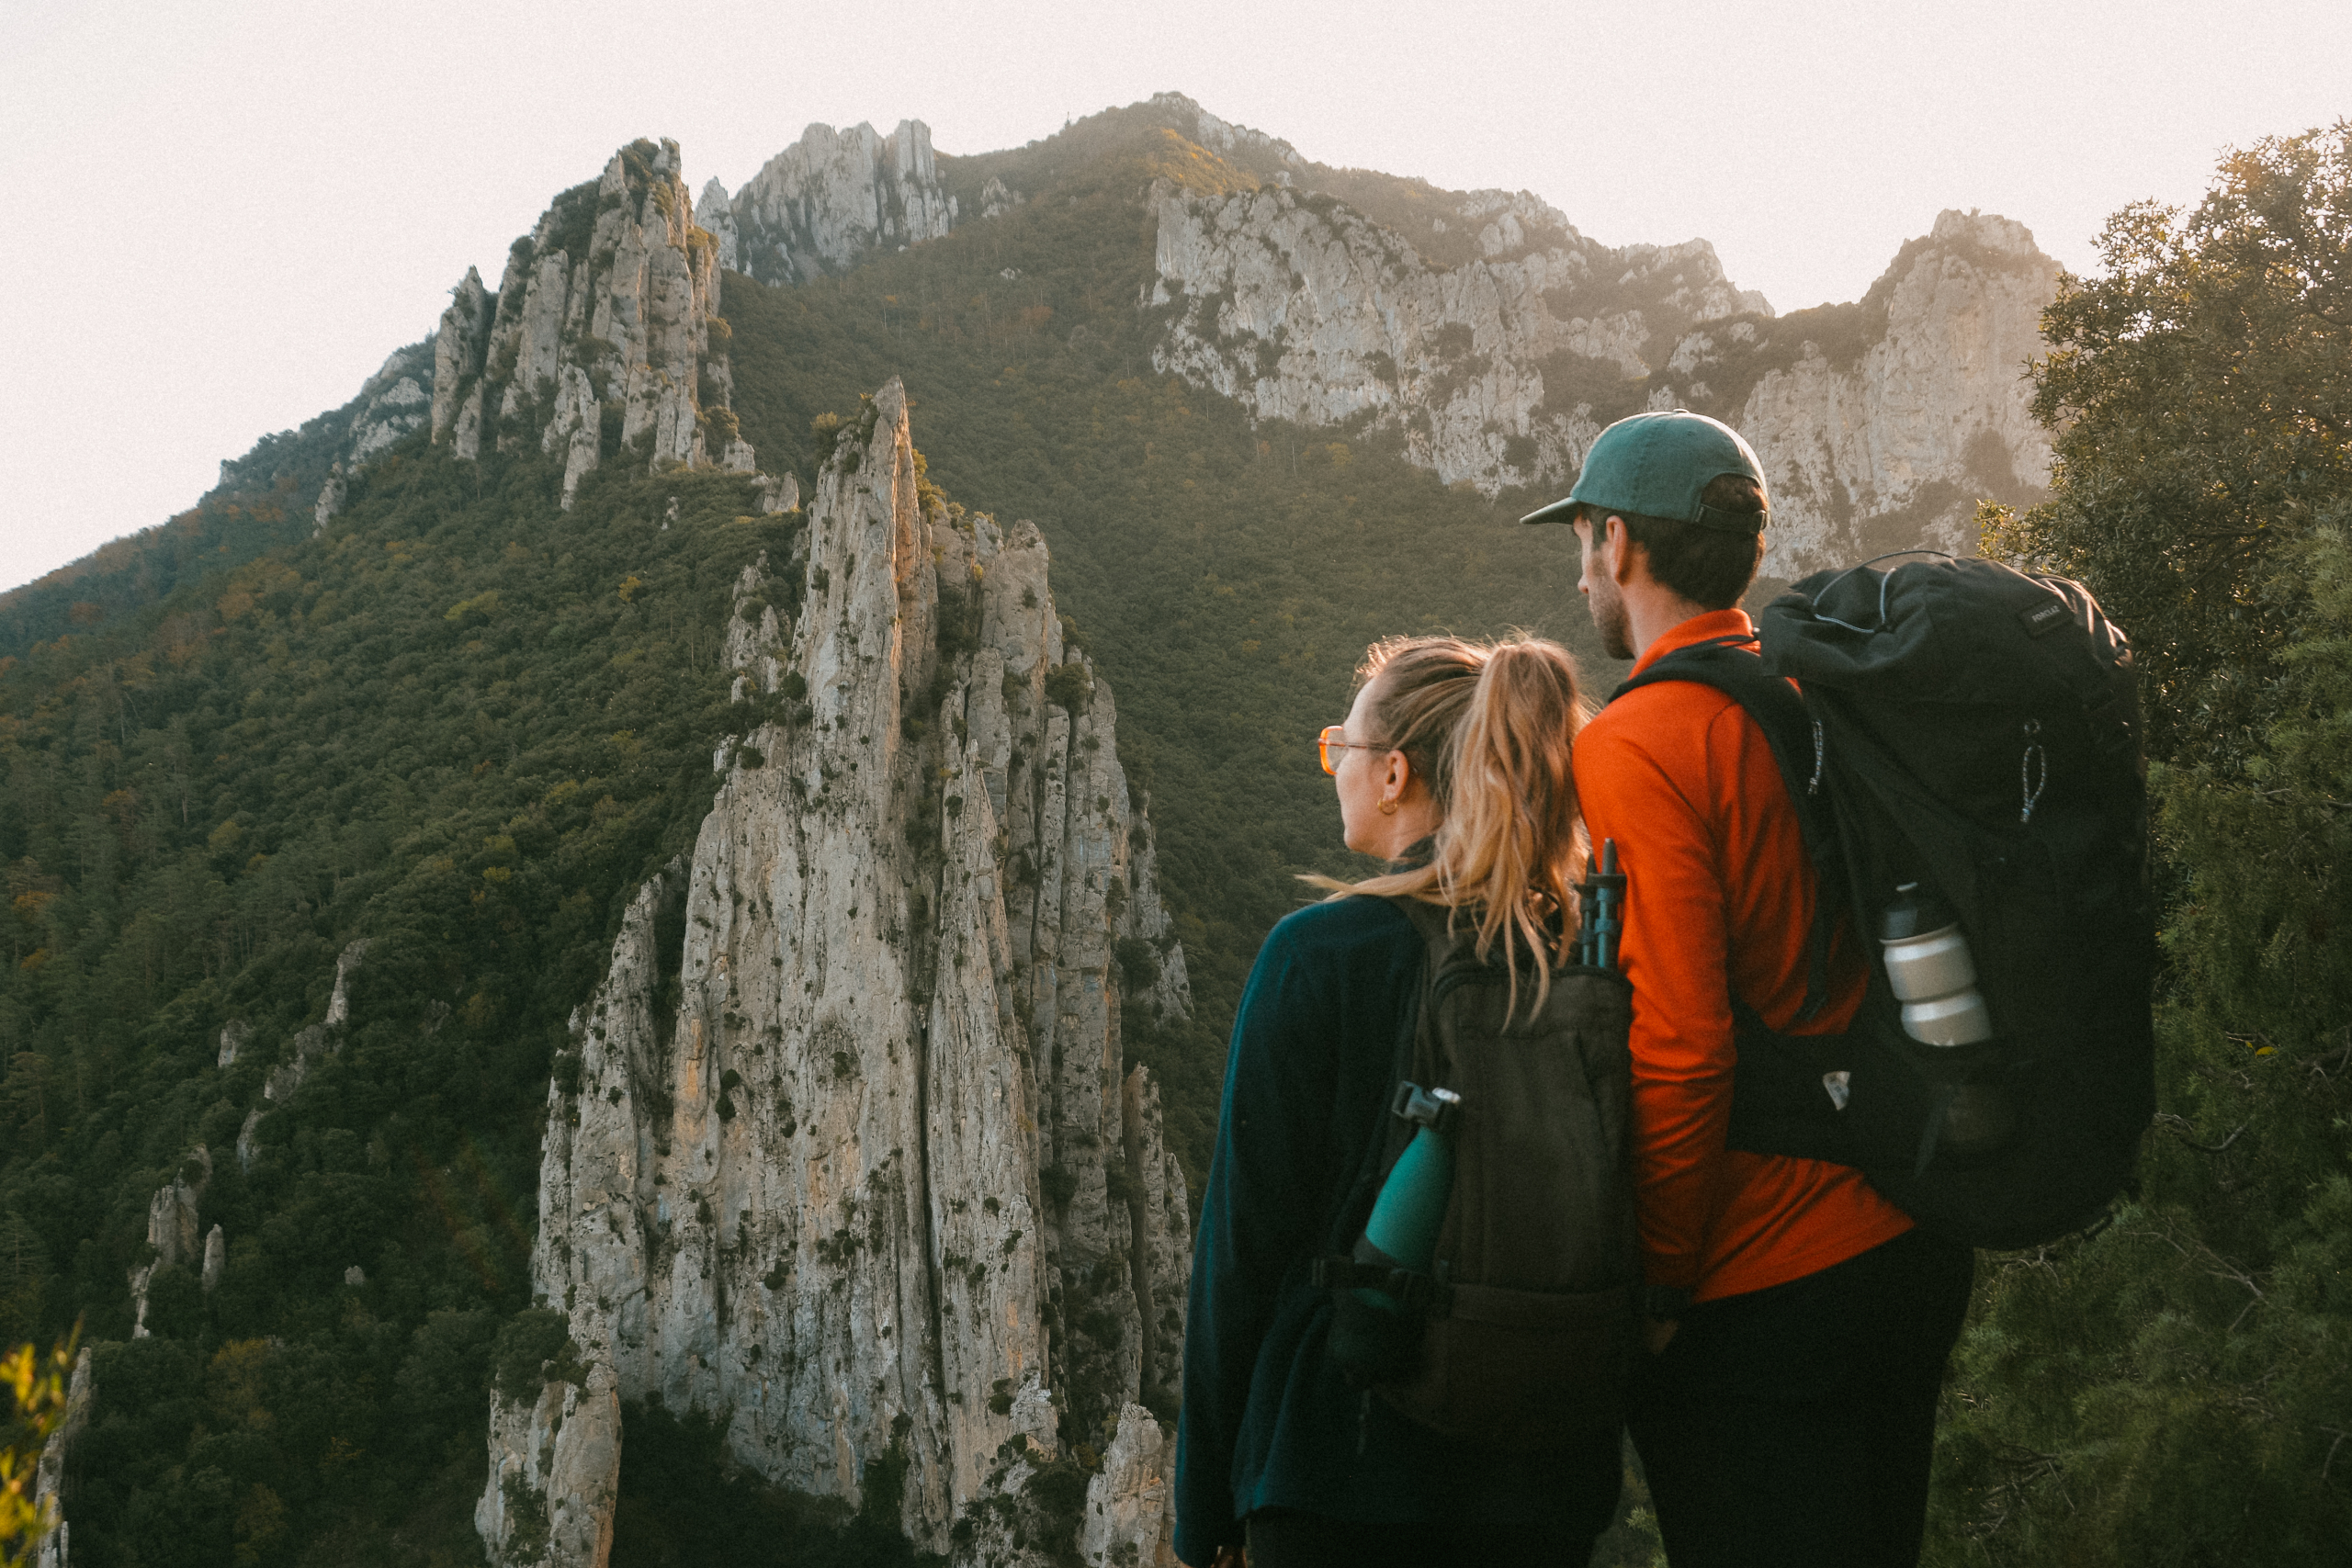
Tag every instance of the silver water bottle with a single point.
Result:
(1931, 971)
(1933, 974)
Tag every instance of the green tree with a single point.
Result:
(2201, 394)
(40, 1405)
(2174, 1388)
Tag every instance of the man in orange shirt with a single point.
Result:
(1798, 1322)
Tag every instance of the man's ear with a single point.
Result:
(1619, 553)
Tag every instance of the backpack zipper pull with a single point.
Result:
(2033, 771)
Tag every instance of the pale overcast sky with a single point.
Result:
(230, 212)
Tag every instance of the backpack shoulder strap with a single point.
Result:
(1435, 923)
(1378, 1152)
(1795, 736)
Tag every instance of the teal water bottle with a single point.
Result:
(1402, 1232)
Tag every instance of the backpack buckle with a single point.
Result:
(1411, 1292)
(1433, 1108)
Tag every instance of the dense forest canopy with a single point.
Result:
(460, 723)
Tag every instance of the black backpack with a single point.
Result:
(1522, 1333)
(1973, 731)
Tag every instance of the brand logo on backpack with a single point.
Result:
(2046, 617)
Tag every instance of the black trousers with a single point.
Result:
(1794, 1425)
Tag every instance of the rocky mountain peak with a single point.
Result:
(1499, 349)
(715, 213)
(603, 339)
(1224, 135)
(1985, 230)
(1882, 423)
(828, 200)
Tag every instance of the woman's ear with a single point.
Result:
(1399, 779)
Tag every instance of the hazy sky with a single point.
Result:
(229, 213)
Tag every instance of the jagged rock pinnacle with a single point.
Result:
(879, 1141)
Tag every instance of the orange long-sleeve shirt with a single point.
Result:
(1719, 901)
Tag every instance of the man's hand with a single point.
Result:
(1229, 1557)
(1658, 1332)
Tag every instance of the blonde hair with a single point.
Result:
(1488, 727)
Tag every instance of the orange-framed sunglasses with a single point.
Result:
(1330, 741)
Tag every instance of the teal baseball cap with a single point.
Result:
(1657, 465)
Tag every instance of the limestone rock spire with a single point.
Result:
(458, 349)
(852, 1156)
(604, 341)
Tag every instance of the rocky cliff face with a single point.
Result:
(826, 201)
(1879, 424)
(844, 1150)
(1303, 308)
(602, 340)
(49, 1475)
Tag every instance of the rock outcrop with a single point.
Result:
(1128, 1518)
(393, 401)
(555, 1467)
(602, 340)
(1300, 308)
(315, 1040)
(48, 1477)
(827, 202)
(460, 346)
(1879, 424)
(171, 1230)
(1886, 440)
(845, 1151)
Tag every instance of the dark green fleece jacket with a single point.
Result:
(1268, 1422)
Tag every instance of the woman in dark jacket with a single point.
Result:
(1454, 763)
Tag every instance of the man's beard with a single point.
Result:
(1609, 617)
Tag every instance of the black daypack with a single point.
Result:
(1973, 731)
(1521, 1333)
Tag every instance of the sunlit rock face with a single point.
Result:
(844, 1149)
(832, 197)
(1879, 424)
(602, 340)
(1302, 309)
(1892, 447)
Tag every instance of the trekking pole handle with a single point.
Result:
(1609, 898)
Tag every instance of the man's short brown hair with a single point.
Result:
(1710, 566)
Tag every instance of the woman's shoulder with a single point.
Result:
(1342, 925)
(1323, 955)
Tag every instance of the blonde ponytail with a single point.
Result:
(1490, 728)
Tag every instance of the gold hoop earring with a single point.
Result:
(1389, 808)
